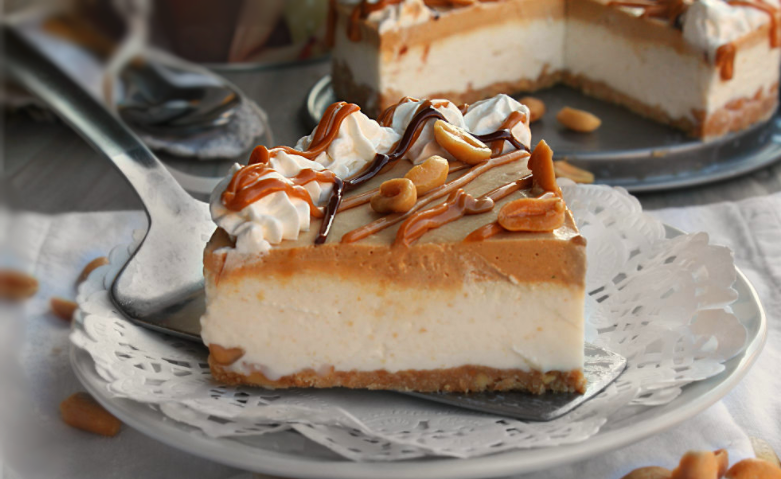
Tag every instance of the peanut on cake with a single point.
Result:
(425, 251)
(707, 67)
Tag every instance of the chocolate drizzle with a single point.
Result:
(248, 186)
(506, 128)
(366, 196)
(391, 219)
(330, 211)
(381, 160)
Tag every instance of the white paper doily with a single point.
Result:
(662, 303)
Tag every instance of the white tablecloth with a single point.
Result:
(54, 249)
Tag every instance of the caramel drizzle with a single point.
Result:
(492, 229)
(246, 187)
(725, 54)
(509, 123)
(671, 10)
(457, 206)
(366, 196)
(363, 9)
(425, 112)
(391, 219)
(775, 34)
(725, 61)
(386, 117)
(484, 232)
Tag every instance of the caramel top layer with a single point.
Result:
(351, 219)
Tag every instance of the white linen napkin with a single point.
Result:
(56, 248)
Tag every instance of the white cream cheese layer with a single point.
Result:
(277, 216)
(660, 77)
(524, 50)
(360, 326)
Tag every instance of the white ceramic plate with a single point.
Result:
(289, 454)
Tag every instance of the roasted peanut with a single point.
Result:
(651, 472)
(753, 469)
(91, 266)
(63, 308)
(543, 173)
(578, 175)
(578, 120)
(536, 107)
(225, 356)
(15, 285)
(460, 143)
(397, 196)
(533, 214)
(429, 174)
(697, 465)
(83, 412)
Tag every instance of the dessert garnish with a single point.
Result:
(400, 197)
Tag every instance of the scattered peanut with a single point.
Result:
(63, 308)
(651, 472)
(225, 356)
(753, 469)
(429, 174)
(397, 195)
(460, 143)
(91, 266)
(15, 285)
(578, 120)
(578, 175)
(83, 412)
(543, 173)
(697, 465)
(533, 214)
(536, 107)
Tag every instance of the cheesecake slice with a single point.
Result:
(428, 251)
(707, 67)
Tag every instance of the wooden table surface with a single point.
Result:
(50, 169)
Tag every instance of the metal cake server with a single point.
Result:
(161, 286)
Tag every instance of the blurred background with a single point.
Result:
(242, 61)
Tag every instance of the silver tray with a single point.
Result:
(628, 150)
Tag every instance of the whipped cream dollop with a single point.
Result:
(401, 15)
(277, 216)
(425, 146)
(487, 116)
(709, 24)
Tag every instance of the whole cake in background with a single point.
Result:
(425, 251)
(707, 67)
